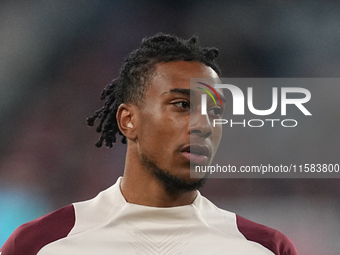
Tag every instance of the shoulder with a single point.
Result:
(29, 238)
(270, 238)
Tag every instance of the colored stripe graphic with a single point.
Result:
(211, 88)
(209, 94)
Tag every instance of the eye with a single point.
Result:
(183, 104)
(216, 111)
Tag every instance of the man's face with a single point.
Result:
(171, 130)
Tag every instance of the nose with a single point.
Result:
(200, 125)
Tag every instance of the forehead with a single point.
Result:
(171, 75)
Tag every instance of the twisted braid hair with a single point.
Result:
(130, 87)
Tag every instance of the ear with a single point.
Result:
(127, 120)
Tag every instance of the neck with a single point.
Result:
(140, 186)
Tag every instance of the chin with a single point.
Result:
(196, 175)
(177, 184)
(173, 183)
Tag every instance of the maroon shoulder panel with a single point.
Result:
(270, 238)
(29, 238)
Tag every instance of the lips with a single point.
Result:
(197, 154)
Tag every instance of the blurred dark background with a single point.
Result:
(57, 56)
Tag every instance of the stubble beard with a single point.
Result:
(172, 183)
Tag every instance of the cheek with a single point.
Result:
(217, 136)
(152, 131)
(161, 136)
(163, 123)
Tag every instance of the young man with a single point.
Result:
(155, 207)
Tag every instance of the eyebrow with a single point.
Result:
(180, 91)
(187, 92)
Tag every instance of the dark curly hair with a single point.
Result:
(129, 87)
